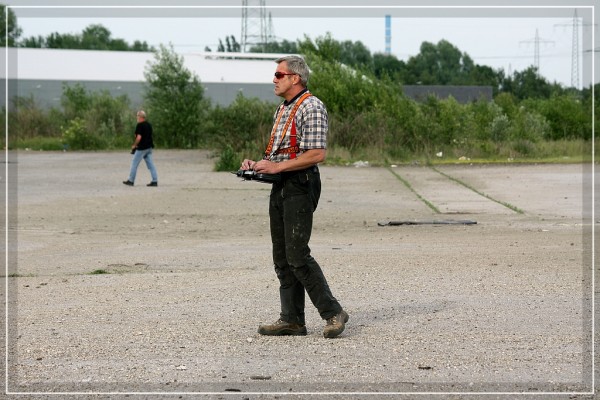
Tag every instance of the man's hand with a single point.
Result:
(267, 167)
(247, 164)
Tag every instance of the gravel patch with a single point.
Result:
(158, 292)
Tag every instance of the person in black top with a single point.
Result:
(142, 149)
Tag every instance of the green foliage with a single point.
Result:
(99, 272)
(524, 147)
(38, 143)
(77, 137)
(175, 101)
(96, 37)
(283, 47)
(75, 100)
(566, 115)
(483, 113)
(500, 128)
(231, 45)
(387, 65)
(96, 120)
(436, 64)
(507, 102)
(244, 126)
(528, 84)
(28, 120)
(345, 90)
(359, 131)
(531, 126)
(369, 117)
(229, 160)
(441, 64)
(93, 37)
(9, 29)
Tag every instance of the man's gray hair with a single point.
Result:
(296, 65)
(142, 114)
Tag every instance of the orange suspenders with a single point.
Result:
(294, 148)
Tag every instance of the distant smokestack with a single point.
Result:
(388, 34)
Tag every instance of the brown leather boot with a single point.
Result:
(335, 325)
(282, 328)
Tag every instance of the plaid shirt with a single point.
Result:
(311, 127)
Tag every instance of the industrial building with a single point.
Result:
(41, 73)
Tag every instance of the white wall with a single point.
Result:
(129, 66)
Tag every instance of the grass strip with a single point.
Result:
(507, 205)
(407, 184)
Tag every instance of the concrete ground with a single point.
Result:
(118, 291)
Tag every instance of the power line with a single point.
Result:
(254, 24)
(575, 48)
(536, 49)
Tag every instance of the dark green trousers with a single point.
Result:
(291, 206)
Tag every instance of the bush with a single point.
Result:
(27, 120)
(366, 129)
(175, 101)
(244, 127)
(484, 113)
(228, 160)
(77, 137)
(566, 116)
(500, 128)
(96, 119)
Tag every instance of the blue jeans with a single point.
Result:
(137, 159)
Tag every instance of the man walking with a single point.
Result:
(142, 149)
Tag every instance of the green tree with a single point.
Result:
(231, 45)
(96, 37)
(93, 37)
(140, 46)
(441, 64)
(58, 41)
(387, 65)
(35, 42)
(9, 29)
(485, 76)
(325, 47)
(356, 54)
(283, 47)
(527, 84)
(175, 100)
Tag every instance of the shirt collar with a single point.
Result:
(287, 103)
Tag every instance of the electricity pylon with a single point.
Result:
(536, 48)
(254, 24)
(575, 53)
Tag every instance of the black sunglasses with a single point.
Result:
(280, 75)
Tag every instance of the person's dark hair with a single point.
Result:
(296, 65)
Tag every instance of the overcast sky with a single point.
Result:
(508, 40)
